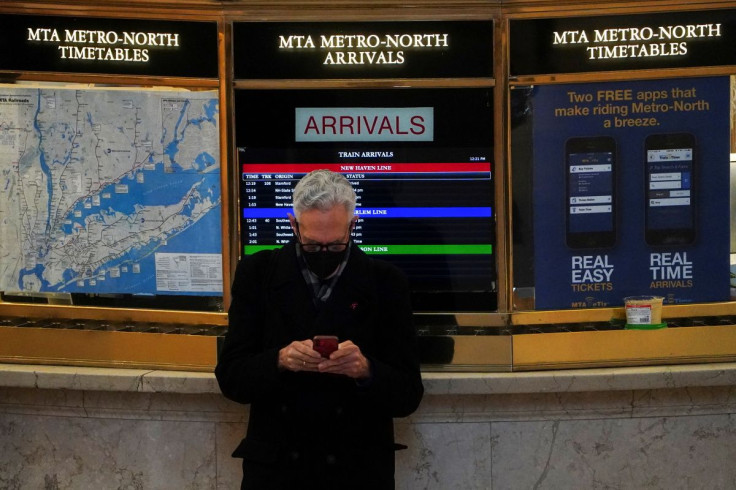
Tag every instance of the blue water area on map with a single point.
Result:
(36, 271)
(160, 188)
(211, 109)
(42, 160)
(171, 150)
(204, 237)
(204, 160)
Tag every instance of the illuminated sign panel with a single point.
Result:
(425, 205)
(364, 124)
(120, 46)
(590, 44)
(363, 49)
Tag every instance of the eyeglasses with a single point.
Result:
(319, 247)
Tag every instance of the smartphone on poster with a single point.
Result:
(590, 171)
(670, 189)
(325, 344)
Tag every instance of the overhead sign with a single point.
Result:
(631, 42)
(119, 46)
(363, 49)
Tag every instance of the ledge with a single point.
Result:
(574, 380)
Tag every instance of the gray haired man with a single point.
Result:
(320, 419)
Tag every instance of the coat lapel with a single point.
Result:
(352, 299)
(291, 296)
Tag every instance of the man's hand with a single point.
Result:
(347, 360)
(299, 356)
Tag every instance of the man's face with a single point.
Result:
(323, 227)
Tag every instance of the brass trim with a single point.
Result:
(477, 353)
(162, 9)
(554, 8)
(502, 170)
(364, 83)
(229, 174)
(607, 314)
(624, 347)
(107, 349)
(482, 319)
(470, 319)
(8, 76)
(112, 314)
(582, 349)
(608, 76)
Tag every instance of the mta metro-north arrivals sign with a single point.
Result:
(298, 50)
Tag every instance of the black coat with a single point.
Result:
(315, 429)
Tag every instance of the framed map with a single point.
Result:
(110, 191)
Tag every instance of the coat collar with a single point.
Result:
(355, 275)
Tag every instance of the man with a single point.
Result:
(318, 422)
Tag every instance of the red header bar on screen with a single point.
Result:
(303, 168)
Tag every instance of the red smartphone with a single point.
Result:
(325, 344)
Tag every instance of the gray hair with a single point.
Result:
(323, 190)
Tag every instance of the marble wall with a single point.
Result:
(80, 438)
(659, 439)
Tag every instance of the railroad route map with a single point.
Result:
(109, 191)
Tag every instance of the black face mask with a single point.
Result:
(323, 263)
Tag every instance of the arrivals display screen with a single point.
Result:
(419, 161)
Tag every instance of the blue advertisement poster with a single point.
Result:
(631, 192)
